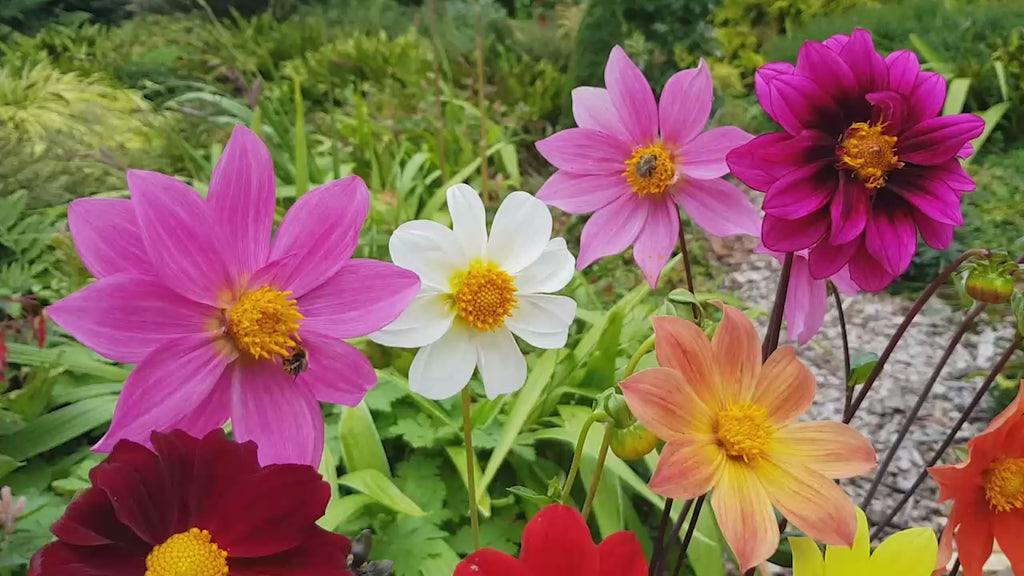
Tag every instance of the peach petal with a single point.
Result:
(682, 346)
(745, 515)
(689, 466)
(831, 449)
(737, 351)
(785, 387)
(661, 400)
(812, 502)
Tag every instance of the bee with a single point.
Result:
(297, 362)
(647, 165)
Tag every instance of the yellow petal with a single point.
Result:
(854, 561)
(907, 553)
(807, 560)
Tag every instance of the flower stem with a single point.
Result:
(676, 529)
(968, 321)
(951, 436)
(640, 352)
(686, 267)
(467, 430)
(846, 347)
(956, 568)
(481, 101)
(771, 336)
(432, 24)
(659, 542)
(609, 428)
(698, 504)
(574, 468)
(918, 305)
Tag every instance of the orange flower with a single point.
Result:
(987, 493)
(728, 422)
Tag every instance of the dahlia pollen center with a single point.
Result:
(484, 295)
(743, 431)
(650, 171)
(264, 323)
(190, 553)
(1004, 485)
(867, 152)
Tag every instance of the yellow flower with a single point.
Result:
(908, 553)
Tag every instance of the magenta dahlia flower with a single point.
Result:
(221, 321)
(632, 160)
(864, 161)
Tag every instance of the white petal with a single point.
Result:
(428, 249)
(543, 320)
(469, 221)
(426, 320)
(442, 369)
(502, 366)
(550, 272)
(521, 230)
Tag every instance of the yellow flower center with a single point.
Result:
(264, 323)
(744, 431)
(187, 554)
(867, 152)
(650, 170)
(1004, 484)
(484, 295)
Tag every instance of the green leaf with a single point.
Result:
(531, 495)
(301, 152)
(74, 357)
(956, 96)
(992, 116)
(57, 427)
(344, 508)
(483, 499)
(71, 394)
(361, 447)
(381, 489)
(600, 373)
(7, 464)
(861, 365)
(510, 159)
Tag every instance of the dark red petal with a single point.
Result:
(827, 69)
(557, 542)
(60, 559)
(783, 235)
(90, 521)
(826, 259)
(937, 140)
(890, 234)
(489, 562)
(762, 161)
(622, 555)
(933, 198)
(320, 553)
(868, 273)
(269, 512)
(865, 62)
(802, 191)
(849, 210)
(800, 104)
(142, 499)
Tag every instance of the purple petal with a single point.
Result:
(165, 386)
(718, 207)
(657, 239)
(363, 297)
(183, 242)
(762, 161)
(592, 108)
(952, 173)
(842, 281)
(704, 156)
(802, 191)
(966, 152)
(125, 317)
(866, 63)
(938, 235)
(903, 70)
(891, 108)
(338, 372)
(582, 194)
(890, 235)
(632, 97)
(827, 259)
(585, 151)
(934, 198)
(685, 104)
(827, 70)
(869, 274)
(849, 210)
(611, 229)
(935, 141)
(799, 104)
(107, 236)
(278, 412)
(836, 42)
(806, 303)
(928, 96)
(783, 235)
(319, 234)
(765, 74)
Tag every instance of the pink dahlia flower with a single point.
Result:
(632, 160)
(864, 162)
(222, 322)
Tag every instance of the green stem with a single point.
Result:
(640, 352)
(574, 468)
(609, 429)
(467, 430)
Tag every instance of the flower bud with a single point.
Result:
(991, 280)
(633, 442)
(615, 406)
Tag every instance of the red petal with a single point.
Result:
(90, 521)
(621, 555)
(59, 559)
(488, 562)
(321, 553)
(557, 542)
(142, 499)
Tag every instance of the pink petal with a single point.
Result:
(685, 104)
(125, 317)
(802, 191)
(745, 515)
(592, 108)
(938, 235)
(165, 386)
(582, 194)
(842, 281)
(865, 62)
(319, 234)
(737, 351)
(585, 151)
(928, 96)
(868, 273)
(719, 207)
(799, 104)
(953, 174)
(363, 297)
(810, 501)
(806, 303)
(836, 42)
(765, 74)
(890, 235)
(657, 239)
(667, 405)
(831, 449)
(785, 387)
(278, 412)
(891, 108)
(183, 242)
(903, 70)
(783, 235)
(827, 69)
(849, 210)
(338, 372)
(242, 200)
(826, 259)
(933, 198)
(107, 237)
(632, 97)
(611, 229)
(704, 156)
(689, 466)
(935, 141)
(966, 151)
(212, 412)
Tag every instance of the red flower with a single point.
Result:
(557, 542)
(202, 507)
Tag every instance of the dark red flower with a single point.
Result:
(557, 542)
(203, 507)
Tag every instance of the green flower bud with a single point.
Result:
(633, 442)
(990, 280)
(615, 406)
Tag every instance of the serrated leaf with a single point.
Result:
(458, 457)
(382, 490)
(361, 447)
(55, 428)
